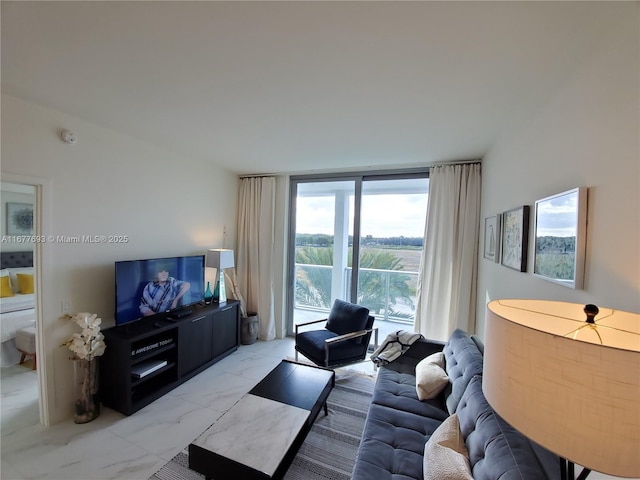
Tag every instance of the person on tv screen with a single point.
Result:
(162, 294)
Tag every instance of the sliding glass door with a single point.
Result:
(324, 213)
(378, 220)
(392, 221)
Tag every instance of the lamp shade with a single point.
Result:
(571, 386)
(220, 258)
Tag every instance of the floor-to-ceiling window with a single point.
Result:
(378, 220)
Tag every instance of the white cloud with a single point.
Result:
(382, 215)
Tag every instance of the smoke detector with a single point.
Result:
(69, 137)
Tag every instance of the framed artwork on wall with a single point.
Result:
(492, 237)
(515, 238)
(19, 218)
(560, 232)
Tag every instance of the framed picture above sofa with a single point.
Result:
(560, 232)
(492, 237)
(515, 236)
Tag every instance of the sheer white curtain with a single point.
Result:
(256, 211)
(446, 297)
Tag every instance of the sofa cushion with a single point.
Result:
(463, 362)
(497, 450)
(392, 445)
(430, 376)
(347, 317)
(398, 390)
(445, 454)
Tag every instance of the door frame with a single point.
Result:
(41, 256)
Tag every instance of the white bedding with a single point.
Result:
(11, 322)
(16, 312)
(18, 302)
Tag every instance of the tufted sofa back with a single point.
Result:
(496, 449)
(463, 362)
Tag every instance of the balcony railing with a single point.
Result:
(377, 288)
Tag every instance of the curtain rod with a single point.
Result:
(455, 162)
(382, 170)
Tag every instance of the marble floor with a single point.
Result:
(118, 447)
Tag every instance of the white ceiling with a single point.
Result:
(271, 87)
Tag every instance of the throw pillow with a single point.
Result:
(445, 454)
(431, 377)
(13, 274)
(5, 287)
(26, 282)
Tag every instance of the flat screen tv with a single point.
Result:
(155, 286)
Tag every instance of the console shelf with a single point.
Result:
(188, 346)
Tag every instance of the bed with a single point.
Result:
(18, 310)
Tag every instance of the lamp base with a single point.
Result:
(567, 471)
(222, 291)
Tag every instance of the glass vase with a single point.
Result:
(208, 295)
(87, 405)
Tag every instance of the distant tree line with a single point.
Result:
(549, 244)
(324, 240)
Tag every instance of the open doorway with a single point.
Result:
(22, 403)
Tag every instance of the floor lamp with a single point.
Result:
(568, 377)
(220, 258)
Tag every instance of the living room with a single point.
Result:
(565, 115)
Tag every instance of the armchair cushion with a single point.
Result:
(347, 317)
(311, 344)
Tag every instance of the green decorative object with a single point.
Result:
(208, 295)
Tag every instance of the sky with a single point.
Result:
(382, 215)
(557, 216)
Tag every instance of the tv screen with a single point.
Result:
(149, 287)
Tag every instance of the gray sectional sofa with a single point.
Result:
(398, 424)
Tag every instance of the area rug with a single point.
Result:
(329, 450)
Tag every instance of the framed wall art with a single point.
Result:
(19, 218)
(492, 237)
(515, 238)
(560, 231)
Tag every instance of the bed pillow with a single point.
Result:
(445, 454)
(5, 287)
(25, 283)
(13, 273)
(431, 378)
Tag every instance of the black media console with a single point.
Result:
(148, 358)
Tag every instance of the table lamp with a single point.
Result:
(568, 377)
(220, 258)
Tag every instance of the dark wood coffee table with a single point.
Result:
(259, 436)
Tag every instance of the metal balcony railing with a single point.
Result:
(375, 290)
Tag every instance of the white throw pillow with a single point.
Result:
(445, 454)
(431, 377)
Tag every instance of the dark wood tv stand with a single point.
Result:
(150, 357)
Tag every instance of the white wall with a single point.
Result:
(586, 135)
(106, 184)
